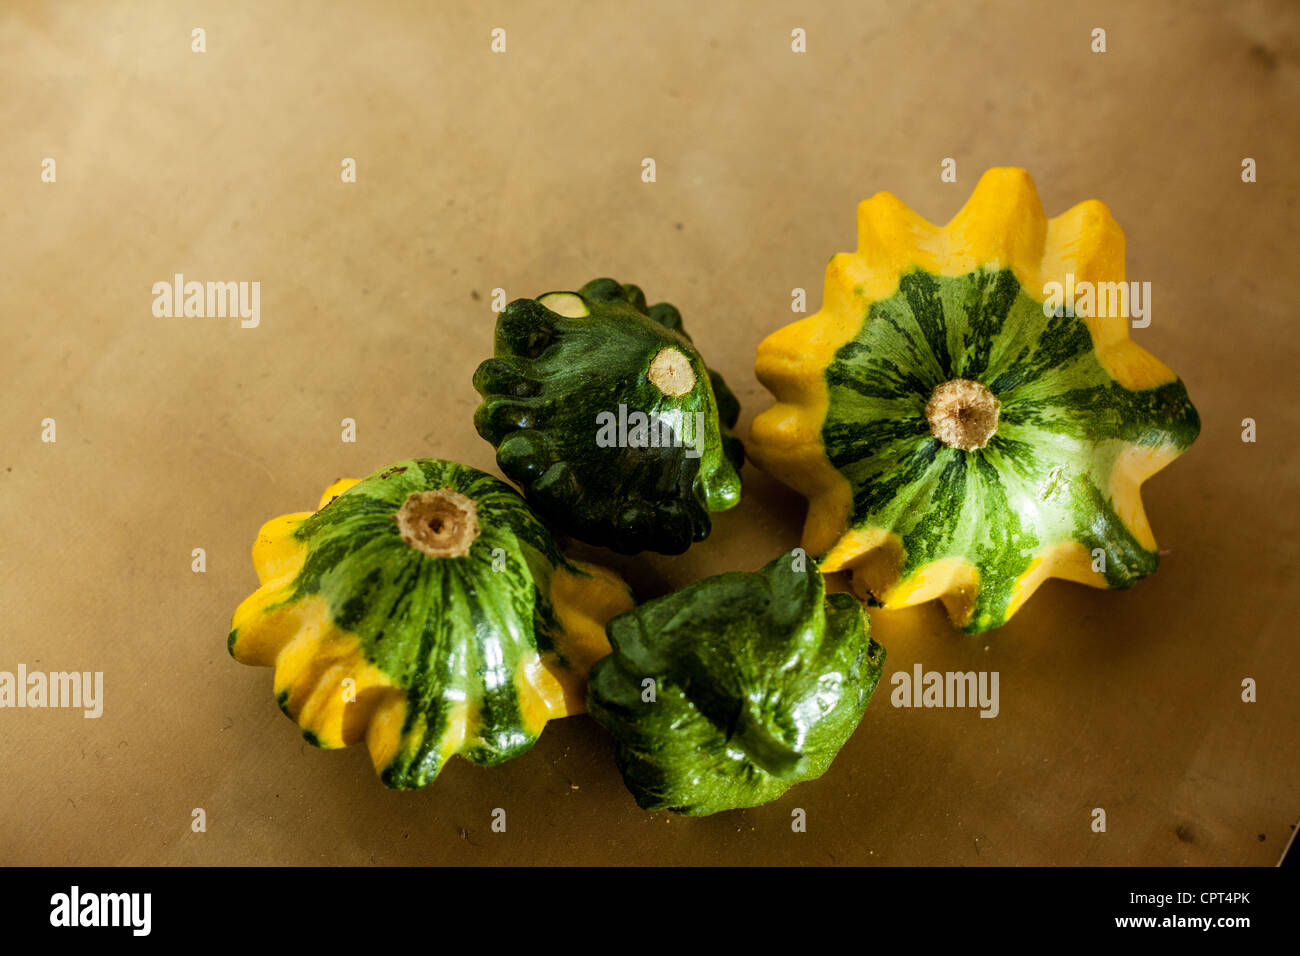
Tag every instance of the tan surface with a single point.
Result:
(523, 171)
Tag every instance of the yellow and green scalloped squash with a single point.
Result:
(427, 611)
(960, 434)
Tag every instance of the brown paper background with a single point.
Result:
(522, 171)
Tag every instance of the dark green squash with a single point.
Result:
(571, 400)
(730, 691)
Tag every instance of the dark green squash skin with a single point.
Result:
(442, 629)
(549, 379)
(759, 677)
(1060, 412)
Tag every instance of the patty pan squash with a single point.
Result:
(728, 692)
(427, 611)
(603, 412)
(955, 440)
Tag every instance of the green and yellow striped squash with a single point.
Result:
(602, 410)
(427, 611)
(954, 439)
(725, 694)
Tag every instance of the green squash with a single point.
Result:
(958, 434)
(730, 691)
(426, 611)
(603, 412)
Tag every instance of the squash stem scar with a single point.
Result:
(441, 524)
(671, 372)
(963, 414)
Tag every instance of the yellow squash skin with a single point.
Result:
(313, 656)
(1001, 227)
